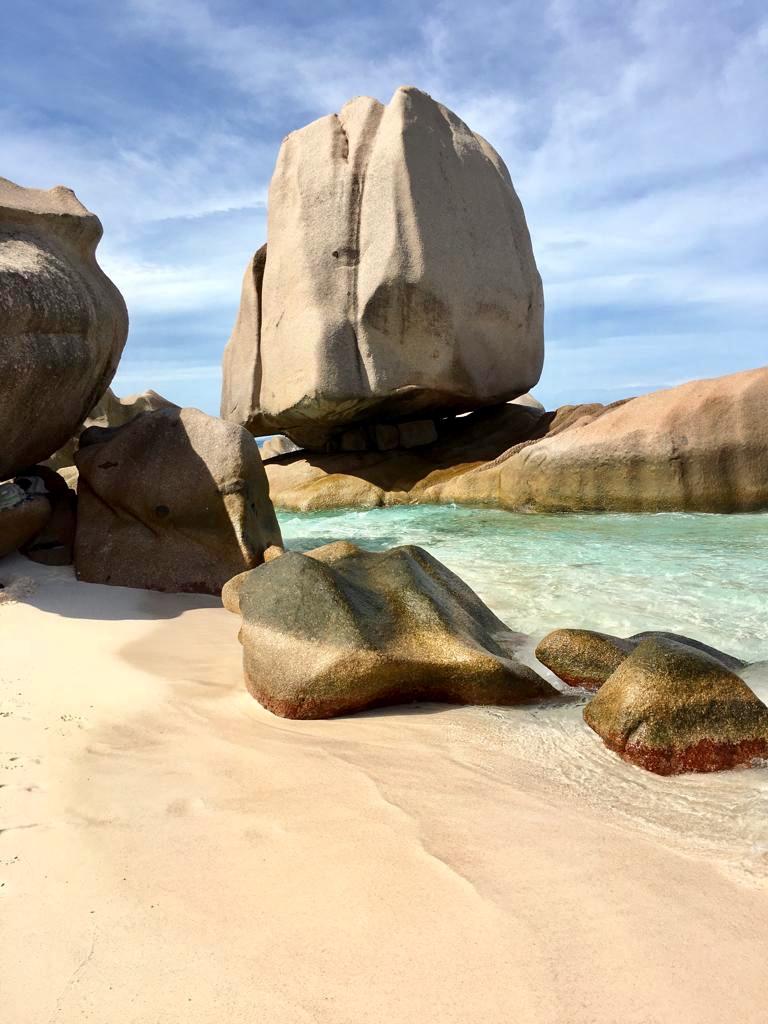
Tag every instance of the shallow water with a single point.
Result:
(700, 575)
(705, 576)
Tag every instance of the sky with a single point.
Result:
(636, 133)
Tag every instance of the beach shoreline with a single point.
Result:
(174, 852)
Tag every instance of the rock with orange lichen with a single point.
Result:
(581, 657)
(341, 629)
(670, 708)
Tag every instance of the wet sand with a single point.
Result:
(172, 852)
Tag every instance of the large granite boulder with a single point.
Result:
(63, 323)
(22, 516)
(110, 411)
(399, 277)
(698, 447)
(341, 629)
(174, 500)
(670, 708)
(584, 658)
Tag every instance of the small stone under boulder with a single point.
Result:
(341, 629)
(22, 516)
(584, 658)
(670, 708)
(174, 500)
(54, 544)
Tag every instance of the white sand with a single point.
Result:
(172, 852)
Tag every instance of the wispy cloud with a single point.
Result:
(634, 133)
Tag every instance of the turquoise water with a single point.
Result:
(705, 576)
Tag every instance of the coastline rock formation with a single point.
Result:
(109, 411)
(669, 708)
(399, 280)
(341, 629)
(698, 447)
(583, 658)
(63, 324)
(174, 500)
(22, 516)
(277, 445)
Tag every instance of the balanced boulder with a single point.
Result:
(341, 629)
(174, 500)
(670, 708)
(581, 657)
(63, 323)
(398, 282)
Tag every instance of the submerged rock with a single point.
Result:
(340, 629)
(581, 657)
(669, 708)
(22, 516)
(398, 282)
(174, 500)
(700, 447)
(63, 324)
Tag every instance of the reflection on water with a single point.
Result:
(700, 575)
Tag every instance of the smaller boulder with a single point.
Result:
(584, 658)
(278, 444)
(22, 517)
(670, 708)
(339, 630)
(54, 544)
(174, 500)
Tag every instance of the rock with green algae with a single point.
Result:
(669, 708)
(340, 629)
(584, 658)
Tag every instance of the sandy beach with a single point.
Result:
(169, 851)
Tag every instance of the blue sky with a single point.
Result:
(635, 133)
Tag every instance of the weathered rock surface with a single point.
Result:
(174, 500)
(21, 517)
(399, 279)
(582, 657)
(277, 445)
(54, 543)
(342, 629)
(699, 447)
(63, 323)
(109, 411)
(531, 401)
(670, 708)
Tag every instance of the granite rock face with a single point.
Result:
(174, 500)
(109, 411)
(63, 324)
(581, 657)
(669, 708)
(399, 279)
(699, 447)
(340, 629)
